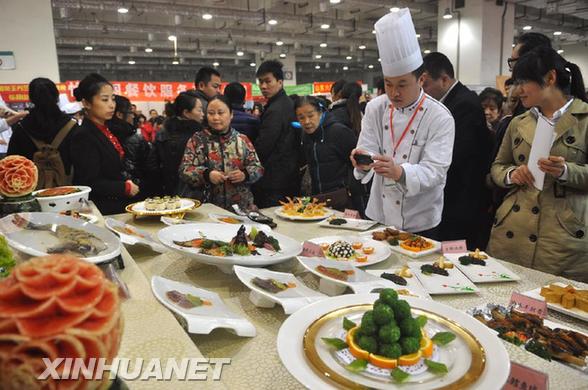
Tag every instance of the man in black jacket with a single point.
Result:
(464, 191)
(278, 144)
(207, 84)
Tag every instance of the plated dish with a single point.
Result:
(401, 278)
(563, 298)
(470, 358)
(62, 198)
(357, 250)
(152, 207)
(132, 235)
(38, 234)
(442, 278)
(337, 222)
(165, 203)
(481, 268)
(405, 243)
(303, 209)
(82, 216)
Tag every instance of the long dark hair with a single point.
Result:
(44, 95)
(352, 91)
(535, 65)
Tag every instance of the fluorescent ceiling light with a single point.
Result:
(123, 10)
(318, 56)
(348, 58)
(370, 66)
(324, 44)
(394, 9)
(252, 64)
(88, 48)
(272, 22)
(283, 55)
(240, 53)
(361, 47)
(560, 51)
(131, 62)
(172, 38)
(279, 43)
(317, 67)
(206, 16)
(418, 36)
(334, 1)
(557, 33)
(527, 28)
(325, 26)
(215, 63)
(148, 50)
(427, 51)
(447, 14)
(345, 68)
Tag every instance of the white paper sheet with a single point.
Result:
(542, 142)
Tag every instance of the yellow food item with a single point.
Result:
(404, 272)
(569, 297)
(416, 244)
(357, 245)
(568, 300)
(301, 207)
(444, 263)
(325, 246)
(229, 220)
(361, 259)
(410, 360)
(477, 255)
(426, 346)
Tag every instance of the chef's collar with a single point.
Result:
(556, 115)
(412, 106)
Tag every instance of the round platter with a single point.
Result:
(138, 209)
(381, 250)
(280, 213)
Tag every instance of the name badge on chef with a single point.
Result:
(458, 246)
(354, 214)
(528, 305)
(525, 378)
(310, 249)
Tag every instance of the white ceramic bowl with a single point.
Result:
(60, 203)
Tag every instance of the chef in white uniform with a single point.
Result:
(408, 134)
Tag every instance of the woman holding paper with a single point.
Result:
(542, 222)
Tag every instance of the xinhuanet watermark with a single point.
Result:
(187, 369)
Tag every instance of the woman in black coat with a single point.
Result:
(96, 153)
(170, 142)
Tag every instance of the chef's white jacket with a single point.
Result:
(424, 154)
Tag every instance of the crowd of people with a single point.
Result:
(427, 155)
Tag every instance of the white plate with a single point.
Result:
(412, 284)
(202, 319)
(455, 283)
(141, 236)
(64, 202)
(224, 232)
(576, 313)
(352, 224)
(361, 282)
(36, 242)
(291, 334)
(242, 220)
(280, 213)
(91, 218)
(291, 299)
(171, 221)
(397, 248)
(381, 249)
(139, 208)
(492, 272)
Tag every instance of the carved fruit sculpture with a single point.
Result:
(18, 176)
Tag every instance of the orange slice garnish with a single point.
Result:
(355, 350)
(383, 362)
(410, 360)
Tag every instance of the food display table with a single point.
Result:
(151, 330)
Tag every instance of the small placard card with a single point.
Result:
(525, 378)
(354, 214)
(310, 249)
(528, 304)
(454, 246)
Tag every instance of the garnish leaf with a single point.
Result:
(194, 300)
(421, 320)
(443, 338)
(334, 342)
(348, 324)
(358, 365)
(436, 368)
(399, 376)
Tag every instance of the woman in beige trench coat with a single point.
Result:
(545, 230)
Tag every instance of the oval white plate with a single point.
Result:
(291, 334)
(36, 242)
(225, 232)
(280, 213)
(381, 249)
(142, 236)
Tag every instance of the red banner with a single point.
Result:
(322, 87)
(137, 91)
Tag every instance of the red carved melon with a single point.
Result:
(52, 307)
(18, 176)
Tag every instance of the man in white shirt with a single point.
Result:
(408, 134)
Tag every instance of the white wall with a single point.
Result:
(578, 54)
(26, 28)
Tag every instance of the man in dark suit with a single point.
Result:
(464, 191)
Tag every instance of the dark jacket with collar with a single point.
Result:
(278, 145)
(97, 164)
(326, 151)
(202, 97)
(466, 175)
(245, 123)
(168, 151)
(340, 114)
(136, 150)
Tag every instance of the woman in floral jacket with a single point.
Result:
(221, 162)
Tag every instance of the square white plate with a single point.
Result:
(398, 249)
(352, 224)
(492, 272)
(413, 284)
(574, 312)
(455, 283)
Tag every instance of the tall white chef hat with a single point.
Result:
(398, 45)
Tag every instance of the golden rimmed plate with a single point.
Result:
(476, 359)
(138, 209)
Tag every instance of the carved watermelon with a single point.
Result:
(18, 176)
(56, 306)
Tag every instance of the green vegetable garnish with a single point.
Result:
(399, 376)
(436, 368)
(334, 342)
(357, 365)
(443, 338)
(241, 250)
(538, 349)
(253, 233)
(7, 262)
(421, 320)
(194, 300)
(348, 324)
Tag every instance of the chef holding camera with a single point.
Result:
(406, 140)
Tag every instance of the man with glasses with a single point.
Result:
(525, 43)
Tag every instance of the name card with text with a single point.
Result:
(354, 214)
(528, 304)
(525, 378)
(310, 249)
(454, 246)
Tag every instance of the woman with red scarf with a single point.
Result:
(96, 153)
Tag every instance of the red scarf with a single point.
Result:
(113, 140)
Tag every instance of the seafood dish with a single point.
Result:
(57, 191)
(162, 203)
(303, 207)
(76, 215)
(71, 240)
(335, 273)
(568, 297)
(128, 230)
(186, 301)
(416, 244)
(529, 330)
(230, 220)
(242, 244)
(271, 285)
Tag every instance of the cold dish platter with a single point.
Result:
(227, 245)
(303, 209)
(356, 250)
(338, 222)
(564, 298)
(442, 277)
(38, 234)
(387, 342)
(481, 268)
(62, 198)
(405, 243)
(544, 338)
(159, 206)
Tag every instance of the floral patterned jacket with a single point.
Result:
(207, 151)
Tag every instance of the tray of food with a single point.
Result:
(564, 298)
(357, 250)
(166, 205)
(62, 198)
(546, 339)
(442, 277)
(481, 268)
(303, 209)
(405, 243)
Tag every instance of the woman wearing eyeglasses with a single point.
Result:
(545, 228)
